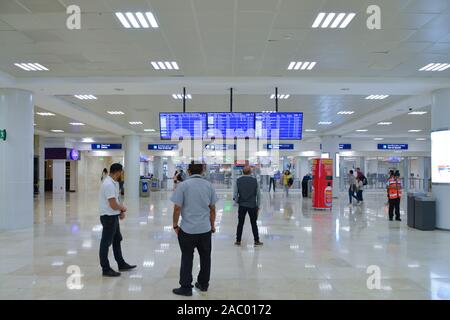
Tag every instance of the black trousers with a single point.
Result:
(394, 205)
(272, 183)
(110, 235)
(304, 189)
(188, 242)
(253, 213)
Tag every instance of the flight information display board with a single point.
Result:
(182, 125)
(231, 124)
(288, 124)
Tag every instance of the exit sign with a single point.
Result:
(3, 134)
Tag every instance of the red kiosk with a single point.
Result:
(322, 183)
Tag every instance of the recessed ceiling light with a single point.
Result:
(310, 130)
(164, 65)
(378, 139)
(57, 130)
(299, 65)
(417, 113)
(280, 96)
(362, 130)
(435, 67)
(87, 140)
(386, 123)
(85, 97)
(31, 66)
(377, 97)
(415, 130)
(135, 123)
(421, 139)
(333, 20)
(178, 96)
(149, 130)
(346, 112)
(45, 114)
(116, 113)
(76, 124)
(137, 20)
(325, 122)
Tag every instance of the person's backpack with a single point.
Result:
(364, 180)
(290, 182)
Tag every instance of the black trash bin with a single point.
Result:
(410, 207)
(425, 213)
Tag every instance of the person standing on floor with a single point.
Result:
(111, 210)
(359, 189)
(352, 186)
(247, 194)
(394, 190)
(305, 180)
(272, 181)
(287, 182)
(194, 199)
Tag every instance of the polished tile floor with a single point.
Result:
(307, 254)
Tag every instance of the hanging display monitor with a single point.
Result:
(440, 157)
(184, 125)
(288, 125)
(228, 125)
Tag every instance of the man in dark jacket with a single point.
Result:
(247, 194)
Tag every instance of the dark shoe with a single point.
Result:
(126, 267)
(398, 219)
(237, 243)
(111, 273)
(258, 243)
(391, 219)
(182, 292)
(200, 287)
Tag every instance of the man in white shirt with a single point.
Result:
(111, 210)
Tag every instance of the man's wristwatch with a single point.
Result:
(176, 227)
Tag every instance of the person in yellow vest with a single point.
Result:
(394, 192)
(287, 181)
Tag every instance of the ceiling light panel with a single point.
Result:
(116, 113)
(346, 112)
(164, 65)
(301, 65)
(137, 20)
(362, 130)
(135, 123)
(76, 124)
(417, 113)
(31, 66)
(384, 123)
(325, 122)
(57, 131)
(45, 114)
(179, 96)
(333, 20)
(435, 67)
(377, 97)
(280, 96)
(85, 97)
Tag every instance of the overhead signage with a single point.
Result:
(231, 124)
(163, 147)
(74, 154)
(3, 134)
(384, 146)
(288, 125)
(97, 146)
(284, 146)
(345, 146)
(220, 146)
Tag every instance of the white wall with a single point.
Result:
(59, 176)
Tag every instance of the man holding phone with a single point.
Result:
(111, 210)
(194, 200)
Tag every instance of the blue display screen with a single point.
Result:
(383, 146)
(165, 146)
(182, 125)
(345, 146)
(220, 146)
(231, 124)
(288, 124)
(114, 146)
(284, 146)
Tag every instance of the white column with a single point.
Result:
(59, 176)
(41, 165)
(16, 159)
(440, 120)
(132, 166)
(330, 144)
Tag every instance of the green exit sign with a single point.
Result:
(3, 134)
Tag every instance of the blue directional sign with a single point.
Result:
(345, 146)
(163, 147)
(113, 146)
(392, 146)
(284, 146)
(220, 146)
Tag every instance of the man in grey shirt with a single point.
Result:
(352, 186)
(247, 194)
(194, 199)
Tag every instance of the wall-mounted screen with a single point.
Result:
(183, 125)
(440, 157)
(288, 125)
(229, 125)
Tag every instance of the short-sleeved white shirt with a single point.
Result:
(108, 190)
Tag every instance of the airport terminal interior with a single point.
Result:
(319, 88)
